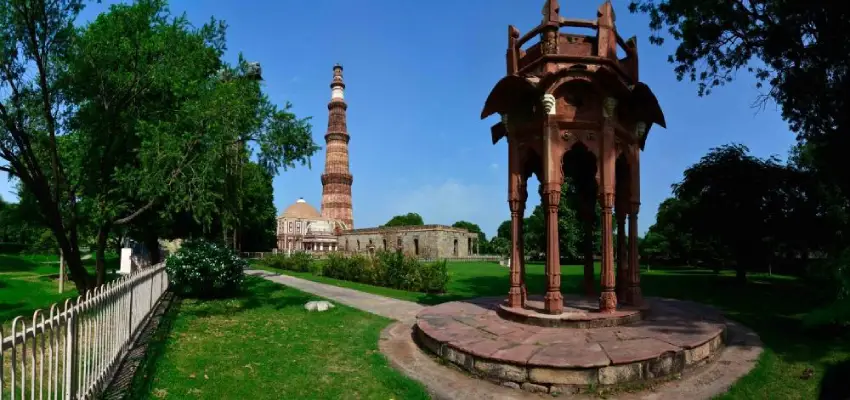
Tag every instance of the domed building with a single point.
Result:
(302, 228)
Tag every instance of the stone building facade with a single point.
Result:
(427, 241)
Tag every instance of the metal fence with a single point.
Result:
(71, 352)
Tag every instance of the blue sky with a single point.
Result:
(417, 75)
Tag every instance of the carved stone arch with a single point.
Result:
(531, 161)
(589, 138)
(566, 77)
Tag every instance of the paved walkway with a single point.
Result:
(384, 306)
(444, 382)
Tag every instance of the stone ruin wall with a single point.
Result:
(435, 241)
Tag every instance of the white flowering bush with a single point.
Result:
(203, 269)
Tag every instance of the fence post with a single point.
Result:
(132, 287)
(71, 357)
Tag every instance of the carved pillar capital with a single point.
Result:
(607, 200)
(522, 190)
(548, 102)
(608, 108)
(551, 194)
(514, 205)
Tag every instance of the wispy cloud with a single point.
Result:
(494, 166)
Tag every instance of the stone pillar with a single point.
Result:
(523, 197)
(607, 298)
(634, 294)
(514, 178)
(622, 257)
(607, 171)
(553, 300)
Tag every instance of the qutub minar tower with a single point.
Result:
(337, 179)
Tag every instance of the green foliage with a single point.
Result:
(297, 261)
(356, 268)
(831, 276)
(204, 269)
(388, 269)
(571, 230)
(409, 219)
(12, 248)
(772, 207)
(500, 246)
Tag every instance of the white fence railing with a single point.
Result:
(72, 352)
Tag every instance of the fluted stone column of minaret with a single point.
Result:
(337, 179)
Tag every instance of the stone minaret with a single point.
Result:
(337, 179)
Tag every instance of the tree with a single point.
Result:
(797, 49)
(258, 210)
(733, 209)
(158, 129)
(34, 38)
(409, 219)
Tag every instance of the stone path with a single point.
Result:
(444, 382)
(384, 306)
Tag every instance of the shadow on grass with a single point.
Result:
(834, 385)
(12, 263)
(141, 383)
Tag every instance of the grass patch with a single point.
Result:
(773, 306)
(29, 282)
(264, 345)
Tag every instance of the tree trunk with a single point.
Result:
(100, 254)
(152, 244)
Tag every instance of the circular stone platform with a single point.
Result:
(672, 336)
(579, 312)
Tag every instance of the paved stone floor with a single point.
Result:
(475, 328)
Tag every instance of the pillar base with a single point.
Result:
(634, 296)
(607, 301)
(553, 303)
(515, 297)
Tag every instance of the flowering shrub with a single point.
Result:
(203, 269)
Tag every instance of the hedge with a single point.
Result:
(388, 269)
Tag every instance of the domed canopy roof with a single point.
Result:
(302, 210)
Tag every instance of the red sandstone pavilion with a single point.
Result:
(570, 107)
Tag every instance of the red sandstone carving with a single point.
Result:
(564, 92)
(337, 179)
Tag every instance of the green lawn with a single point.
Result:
(264, 345)
(771, 305)
(29, 282)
